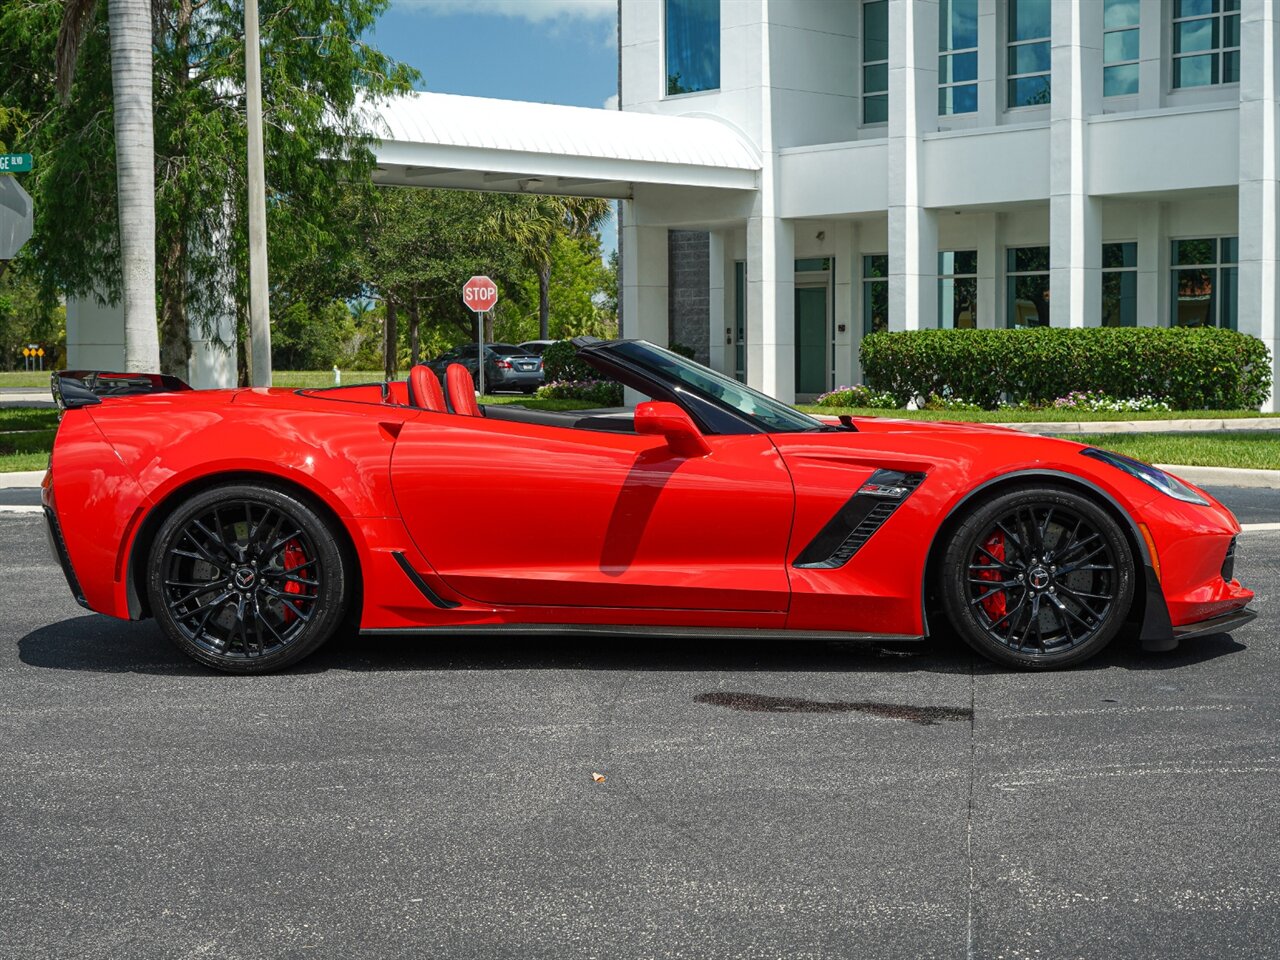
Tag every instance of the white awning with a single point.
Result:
(474, 143)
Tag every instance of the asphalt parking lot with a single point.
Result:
(436, 798)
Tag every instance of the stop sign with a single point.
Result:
(480, 294)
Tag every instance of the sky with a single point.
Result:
(553, 51)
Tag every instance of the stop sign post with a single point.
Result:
(480, 295)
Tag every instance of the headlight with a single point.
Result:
(1152, 476)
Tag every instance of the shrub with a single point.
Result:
(560, 363)
(935, 402)
(857, 396)
(1190, 369)
(687, 352)
(604, 393)
(1100, 401)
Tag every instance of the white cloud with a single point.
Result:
(535, 11)
(611, 102)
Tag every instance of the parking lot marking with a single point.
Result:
(20, 508)
(1257, 527)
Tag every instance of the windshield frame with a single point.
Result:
(685, 379)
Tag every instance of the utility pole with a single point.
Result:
(259, 308)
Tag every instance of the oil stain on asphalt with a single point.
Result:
(759, 703)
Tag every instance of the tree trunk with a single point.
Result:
(129, 22)
(414, 317)
(173, 266)
(390, 342)
(544, 301)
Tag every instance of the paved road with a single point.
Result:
(436, 799)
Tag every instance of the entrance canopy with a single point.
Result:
(474, 143)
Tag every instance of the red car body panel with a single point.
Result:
(518, 522)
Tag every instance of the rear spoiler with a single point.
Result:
(72, 389)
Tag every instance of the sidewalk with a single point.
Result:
(1148, 426)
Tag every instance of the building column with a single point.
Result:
(843, 278)
(1259, 168)
(771, 306)
(1075, 222)
(95, 334)
(913, 110)
(986, 240)
(991, 49)
(1152, 245)
(644, 256)
(717, 316)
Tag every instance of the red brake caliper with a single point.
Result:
(293, 556)
(994, 603)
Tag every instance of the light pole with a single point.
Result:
(259, 315)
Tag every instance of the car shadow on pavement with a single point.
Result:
(100, 644)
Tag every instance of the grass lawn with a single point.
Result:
(25, 418)
(28, 450)
(22, 378)
(1032, 416)
(1255, 450)
(322, 378)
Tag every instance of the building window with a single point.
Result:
(1120, 48)
(875, 293)
(1029, 55)
(693, 46)
(1206, 42)
(1027, 273)
(957, 56)
(1205, 282)
(1119, 284)
(958, 290)
(875, 61)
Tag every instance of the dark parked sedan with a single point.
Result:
(506, 366)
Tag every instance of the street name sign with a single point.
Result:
(15, 163)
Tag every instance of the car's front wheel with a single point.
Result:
(247, 578)
(1038, 578)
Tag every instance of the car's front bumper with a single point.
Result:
(1224, 623)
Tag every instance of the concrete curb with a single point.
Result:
(1225, 476)
(1148, 426)
(20, 479)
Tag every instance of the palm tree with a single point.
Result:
(532, 224)
(129, 23)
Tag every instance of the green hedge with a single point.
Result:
(1191, 369)
(560, 363)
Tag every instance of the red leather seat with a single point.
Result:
(424, 390)
(462, 390)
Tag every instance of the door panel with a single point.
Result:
(811, 339)
(516, 513)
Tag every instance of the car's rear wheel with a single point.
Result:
(1038, 578)
(247, 578)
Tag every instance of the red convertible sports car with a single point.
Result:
(253, 524)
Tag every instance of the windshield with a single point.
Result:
(774, 415)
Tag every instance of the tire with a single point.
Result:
(247, 579)
(1038, 578)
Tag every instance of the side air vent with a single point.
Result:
(1229, 564)
(857, 521)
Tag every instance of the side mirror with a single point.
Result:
(659, 418)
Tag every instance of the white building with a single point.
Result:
(795, 173)
(985, 163)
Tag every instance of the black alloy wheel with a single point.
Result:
(1038, 578)
(247, 579)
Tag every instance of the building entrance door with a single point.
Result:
(811, 339)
